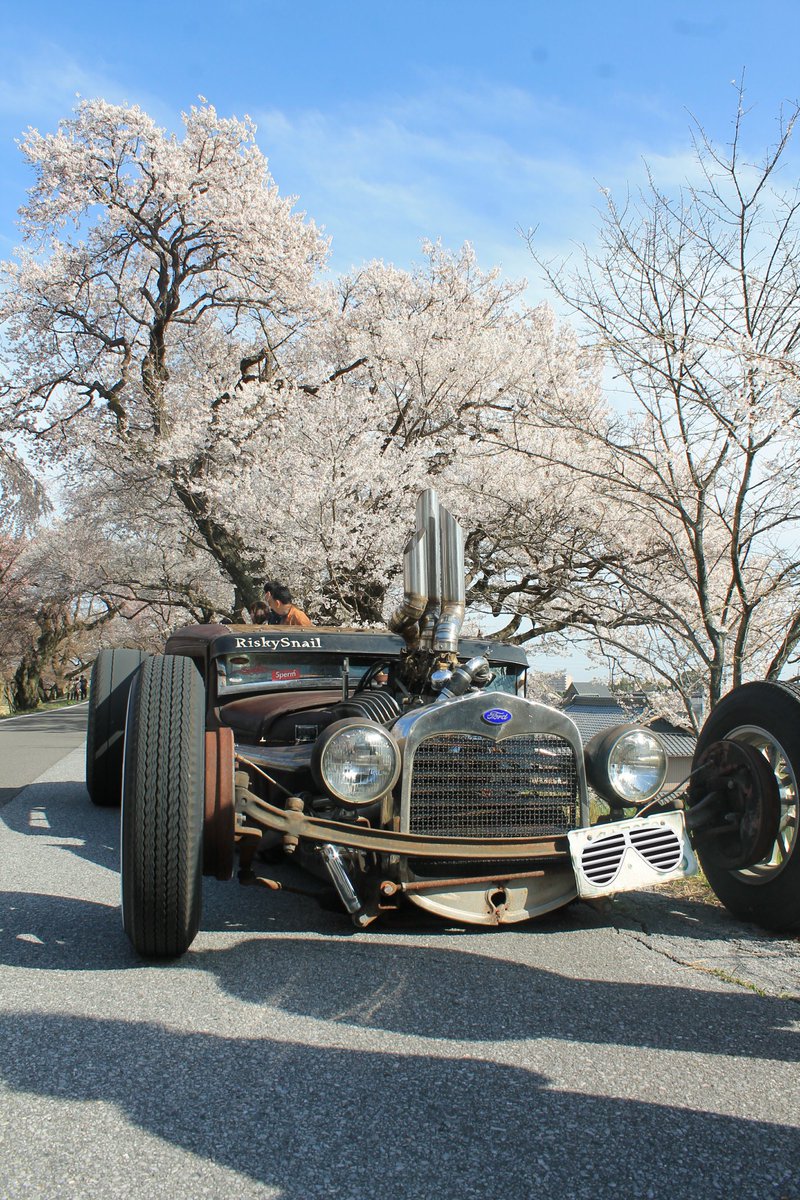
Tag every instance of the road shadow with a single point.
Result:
(315, 1121)
(448, 993)
(61, 814)
(55, 933)
(660, 912)
(442, 991)
(7, 794)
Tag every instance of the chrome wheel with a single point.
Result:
(786, 842)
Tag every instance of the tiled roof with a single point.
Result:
(592, 719)
(678, 745)
(588, 690)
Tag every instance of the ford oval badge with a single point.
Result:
(497, 716)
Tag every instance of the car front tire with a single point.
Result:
(163, 807)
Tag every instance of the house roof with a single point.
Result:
(678, 745)
(588, 687)
(583, 693)
(594, 718)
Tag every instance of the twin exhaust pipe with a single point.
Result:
(434, 599)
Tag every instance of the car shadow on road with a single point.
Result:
(446, 992)
(464, 990)
(61, 814)
(315, 1120)
(657, 912)
(59, 933)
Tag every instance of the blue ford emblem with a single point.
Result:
(497, 716)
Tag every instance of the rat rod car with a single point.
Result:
(399, 764)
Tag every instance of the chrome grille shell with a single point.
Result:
(465, 777)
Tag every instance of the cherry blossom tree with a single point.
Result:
(43, 616)
(693, 299)
(223, 413)
(439, 356)
(158, 278)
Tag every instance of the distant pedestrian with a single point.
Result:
(83, 687)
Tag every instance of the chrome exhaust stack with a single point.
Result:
(448, 627)
(405, 618)
(432, 611)
(428, 520)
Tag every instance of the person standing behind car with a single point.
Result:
(287, 612)
(269, 588)
(260, 613)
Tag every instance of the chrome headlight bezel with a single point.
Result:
(627, 765)
(363, 748)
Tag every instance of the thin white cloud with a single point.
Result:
(46, 84)
(438, 164)
(476, 164)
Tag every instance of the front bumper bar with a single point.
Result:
(293, 823)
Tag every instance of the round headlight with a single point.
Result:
(637, 766)
(627, 765)
(357, 762)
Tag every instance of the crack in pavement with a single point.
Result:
(706, 938)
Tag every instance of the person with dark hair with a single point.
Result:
(259, 613)
(272, 618)
(287, 612)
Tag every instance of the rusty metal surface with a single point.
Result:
(735, 786)
(386, 841)
(219, 826)
(428, 885)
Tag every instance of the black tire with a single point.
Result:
(163, 807)
(112, 676)
(767, 716)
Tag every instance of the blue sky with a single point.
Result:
(444, 119)
(458, 120)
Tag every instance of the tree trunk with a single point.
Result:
(26, 688)
(227, 548)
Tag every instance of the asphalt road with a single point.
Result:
(32, 743)
(618, 1053)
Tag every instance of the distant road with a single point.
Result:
(32, 743)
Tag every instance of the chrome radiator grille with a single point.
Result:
(465, 785)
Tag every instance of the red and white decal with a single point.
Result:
(278, 676)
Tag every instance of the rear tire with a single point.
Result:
(112, 675)
(163, 807)
(767, 717)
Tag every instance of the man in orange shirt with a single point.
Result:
(280, 602)
(272, 617)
